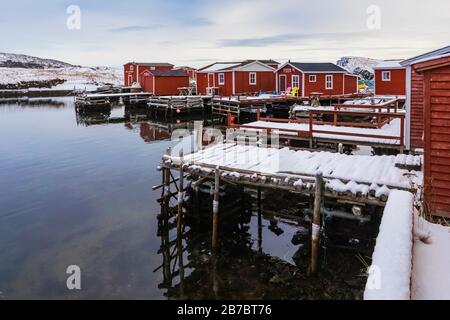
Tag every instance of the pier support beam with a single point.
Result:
(259, 221)
(315, 235)
(216, 208)
(180, 195)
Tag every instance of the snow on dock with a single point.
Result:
(357, 175)
(390, 273)
(431, 262)
(387, 135)
(411, 259)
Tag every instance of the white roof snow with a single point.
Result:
(220, 66)
(389, 64)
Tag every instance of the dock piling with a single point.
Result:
(180, 195)
(215, 208)
(315, 227)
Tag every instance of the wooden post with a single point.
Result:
(402, 132)
(310, 130)
(259, 221)
(315, 235)
(180, 195)
(215, 208)
(258, 114)
(198, 125)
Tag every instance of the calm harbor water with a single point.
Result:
(77, 191)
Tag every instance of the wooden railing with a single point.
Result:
(309, 134)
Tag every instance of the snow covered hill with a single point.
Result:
(359, 65)
(12, 60)
(19, 71)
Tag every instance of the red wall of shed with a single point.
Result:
(319, 85)
(265, 81)
(168, 86)
(437, 139)
(416, 110)
(397, 85)
(289, 72)
(350, 84)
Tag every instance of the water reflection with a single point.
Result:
(75, 188)
(254, 260)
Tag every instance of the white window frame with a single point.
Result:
(252, 83)
(295, 76)
(329, 82)
(131, 67)
(383, 76)
(221, 77)
(312, 78)
(152, 68)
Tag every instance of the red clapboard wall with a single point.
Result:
(417, 96)
(436, 85)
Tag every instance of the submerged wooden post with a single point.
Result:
(215, 208)
(198, 125)
(180, 195)
(315, 227)
(259, 221)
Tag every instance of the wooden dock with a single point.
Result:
(358, 182)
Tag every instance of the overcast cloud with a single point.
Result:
(197, 32)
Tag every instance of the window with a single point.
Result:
(386, 76)
(131, 67)
(328, 81)
(152, 68)
(312, 78)
(252, 78)
(295, 81)
(221, 79)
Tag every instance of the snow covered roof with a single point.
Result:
(389, 64)
(426, 56)
(153, 64)
(227, 66)
(218, 66)
(314, 67)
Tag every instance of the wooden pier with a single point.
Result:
(176, 104)
(359, 182)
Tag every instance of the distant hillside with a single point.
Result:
(12, 60)
(359, 65)
(18, 71)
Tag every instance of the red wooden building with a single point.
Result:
(237, 78)
(415, 99)
(133, 70)
(428, 102)
(436, 85)
(326, 78)
(164, 82)
(190, 71)
(390, 78)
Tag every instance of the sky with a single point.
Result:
(198, 32)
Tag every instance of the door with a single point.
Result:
(130, 80)
(282, 83)
(211, 82)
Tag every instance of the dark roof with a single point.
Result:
(430, 54)
(169, 73)
(153, 64)
(317, 67)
